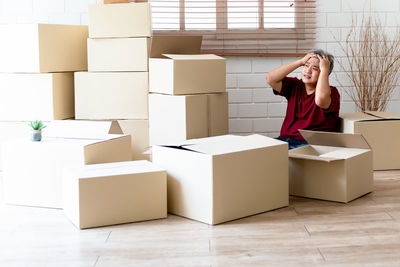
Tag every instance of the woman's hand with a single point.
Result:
(304, 60)
(324, 63)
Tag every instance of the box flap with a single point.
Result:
(312, 157)
(384, 115)
(81, 129)
(174, 44)
(335, 139)
(193, 57)
(357, 116)
(224, 144)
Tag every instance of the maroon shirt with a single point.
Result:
(303, 113)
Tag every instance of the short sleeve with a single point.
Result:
(335, 101)
(288, 83)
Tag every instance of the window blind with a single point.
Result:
(240, 27)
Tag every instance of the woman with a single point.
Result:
(312, 103)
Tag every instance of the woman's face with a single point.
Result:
(311, 71)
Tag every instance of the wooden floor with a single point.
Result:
(365, 232)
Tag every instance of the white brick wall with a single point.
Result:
(253, 107)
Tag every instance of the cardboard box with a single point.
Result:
(33, 170)
(34, 48)
(118, 54)
(335, 166)
(43, 96)
(381, 130)
(223, 178)
(174, 118)
(218, 117)
(187, 74)
(114, 193)
(111, 95)
(119, 20)
(139, 132)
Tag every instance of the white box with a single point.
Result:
(118, 54)
(175, 118)
(33, 170)
(43, 48)
(41, 96)
(187, 74)
(114, 193)
(335, 166)
(223, 178)
(111, 95)
(119, 20)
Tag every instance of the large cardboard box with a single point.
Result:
(381, 130)
(118, 54)
(43, 96)
(113, 193)
(34, 48)
(119, 20)
(139, 132)
(223, 178)
(175, 118)
(335, 166)
(33, 170)
(187, 74)
(111, 95)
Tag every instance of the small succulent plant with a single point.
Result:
(37, 125)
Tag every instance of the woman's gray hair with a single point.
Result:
(329, 56)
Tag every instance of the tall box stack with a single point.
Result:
(36, 74)
(188, 98)
(116, 84)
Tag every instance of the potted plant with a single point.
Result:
(37, 127)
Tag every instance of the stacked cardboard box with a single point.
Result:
(116, 84)
(188, 97)
(36, 74)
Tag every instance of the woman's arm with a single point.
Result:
(323, 90)
(275, 77)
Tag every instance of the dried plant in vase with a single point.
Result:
(372, 61)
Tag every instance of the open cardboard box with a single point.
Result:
(223, 178)
(113, 193)
(39, 48)
(335, 166)
(381, 130)
(32, 171)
